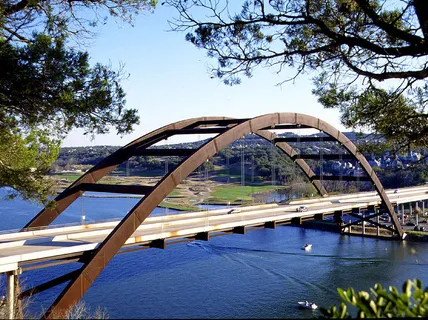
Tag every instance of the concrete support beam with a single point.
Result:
(319, 216)
(159, 243)
(270, 225)
(240, 230)
(204, 236)
(296, 220)
(363, 224)
(377, 227)
(11, 294)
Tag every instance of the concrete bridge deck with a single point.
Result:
(22, 248)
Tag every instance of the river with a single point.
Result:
(258, 275)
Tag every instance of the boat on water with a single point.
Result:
(307, 247)
(307, 305)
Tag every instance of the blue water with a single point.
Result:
(258, 275)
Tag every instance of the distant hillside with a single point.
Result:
(261, 162)
(92, 155)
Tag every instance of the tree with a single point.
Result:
(380, 303)
(48, 87)
(368, 57)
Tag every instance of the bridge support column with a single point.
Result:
(204, 236)
(363, 223)
(240, 230)
(423, 207)
(349, 222)
(13, 306)
(296, 220)
(270, 224)
(357, 212)
(319, 216)
(377, 226)
(159, 243)
(416, 213)
(338, 218)
(375, 210)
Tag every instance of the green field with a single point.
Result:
(236, 194)
(69, 176)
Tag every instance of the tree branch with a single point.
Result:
(420, 74)
(389, 28)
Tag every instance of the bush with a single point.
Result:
(380, 303)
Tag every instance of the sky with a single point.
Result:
(169, 81)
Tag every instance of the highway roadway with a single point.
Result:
(22, 248)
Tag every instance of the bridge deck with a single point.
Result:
(21, 248)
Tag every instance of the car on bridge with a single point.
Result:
(234, 211)
(302, 208)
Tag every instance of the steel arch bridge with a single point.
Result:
(227, 130)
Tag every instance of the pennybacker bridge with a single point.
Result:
(40, 244)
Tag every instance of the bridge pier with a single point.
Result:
(14, 307)
(375, 210)
(10, 295)
(319, 216)
(204, 236)
(377, 226)
(349, 222)
(296, 220)
(240, 230)
(270, 225)
(159, 243)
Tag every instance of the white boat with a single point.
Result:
(307, 305)
(307, 247)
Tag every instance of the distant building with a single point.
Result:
(374, 163)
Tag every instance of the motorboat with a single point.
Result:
(307, 305)
(307, 247)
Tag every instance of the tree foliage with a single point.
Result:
(380, 303)
(48, 87)
(368, 57)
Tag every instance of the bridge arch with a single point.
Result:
(228, 130)
(47, 215)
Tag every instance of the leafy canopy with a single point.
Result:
(48, 87)
(368, 57)
(380, 303)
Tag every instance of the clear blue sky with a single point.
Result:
(169, 81)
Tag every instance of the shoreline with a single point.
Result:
(412, 236)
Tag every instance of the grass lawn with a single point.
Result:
(69, 176)
(237, 194)
(175, 194)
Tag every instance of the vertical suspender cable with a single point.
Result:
(228, 173)
(298, 142)
(321, 160)
(252, 177)
(242, 170)
(82, 211)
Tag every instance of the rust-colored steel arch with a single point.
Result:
(47, 215)
(232, 130)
